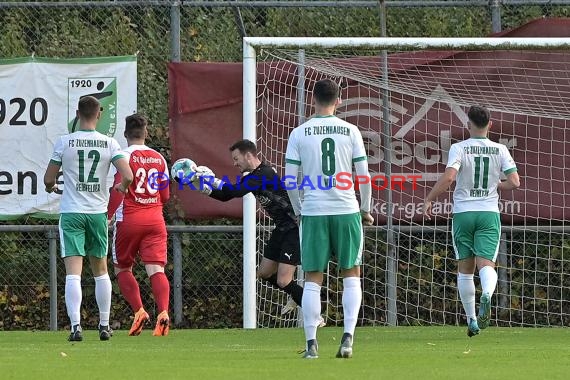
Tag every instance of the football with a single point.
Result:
(183, 167)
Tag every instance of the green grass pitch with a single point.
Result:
(379, 353)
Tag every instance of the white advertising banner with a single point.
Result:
(38, 103)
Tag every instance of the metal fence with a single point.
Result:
(163, 31)
(205, 273)
(204, 269)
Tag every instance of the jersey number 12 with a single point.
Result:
(95, 156)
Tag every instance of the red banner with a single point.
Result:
(206, 118)
(205, 106)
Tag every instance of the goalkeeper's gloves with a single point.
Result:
(205, 189)
(205, 180)
(206, 186)
(204, 170)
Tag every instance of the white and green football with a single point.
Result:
(183, 168)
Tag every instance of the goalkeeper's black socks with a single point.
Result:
(293, 289)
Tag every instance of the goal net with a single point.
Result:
(410, 100)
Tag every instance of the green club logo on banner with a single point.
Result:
(105, 90)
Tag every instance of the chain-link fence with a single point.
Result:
(204, 266)
(205, 273)
(204, 269)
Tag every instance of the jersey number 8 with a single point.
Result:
(327, 156)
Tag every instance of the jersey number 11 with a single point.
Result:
(477, 177)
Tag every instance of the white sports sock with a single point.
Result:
(351, 301)
(73, 298)
(311, 305)
(103, 289)
(466, 288)
(488, 277)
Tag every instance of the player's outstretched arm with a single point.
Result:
(122, 165)
(227, 191)
(441, 186)
(50, 176)
(290, 182)
(512, 182)
(365, 193)
(115, 198)
(164, 191)
(293, 163)
(207, 183)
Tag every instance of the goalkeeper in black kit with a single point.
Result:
(282, 252)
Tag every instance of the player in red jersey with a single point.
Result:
(140, 229)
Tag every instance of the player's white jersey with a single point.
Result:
(479, 162)
(324, 147)
(85, 157)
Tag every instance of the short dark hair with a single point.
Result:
(88, 107)
(326, 92)
(135, 125)
(479, 116)
(244, 146)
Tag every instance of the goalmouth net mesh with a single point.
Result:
(409, 266)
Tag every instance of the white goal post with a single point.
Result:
(409, 96)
